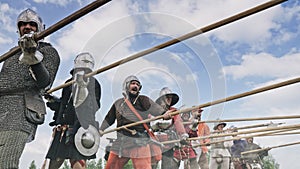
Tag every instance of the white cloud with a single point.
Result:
(213, 11)
(72, 40)
(7, 13)
(275, 102)
(58, 2)
(5, 40)
(265, 65)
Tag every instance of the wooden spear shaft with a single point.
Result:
(67, 20)
(295, 126)
(254, 126)
(266, 88)
(252, 119)
(179, 39)
(269, 148)
(281, 134)
(258, 125)
(243, 127)
(287, 133)
(289, 127)
(240, 137)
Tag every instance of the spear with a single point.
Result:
(255, 91)
(297, 126)
(243, 127)
(179, 39)
(240, 137)
(269, 148)
(258, 125)
(271, 124)
(252, 119)
(67, 20)
(284, 133)
(287, 133)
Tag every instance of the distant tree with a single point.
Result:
(32, 165)
(66, 165)
(128, 165)
(92, 164)
(270, 163)
(99, 164)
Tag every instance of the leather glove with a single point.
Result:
(30, 55)
(52, 123)
(53, 102)
(183, 139)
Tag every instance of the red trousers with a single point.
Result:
(140, 157)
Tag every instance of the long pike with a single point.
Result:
(67, 20)
(205, 29)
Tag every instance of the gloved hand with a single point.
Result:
(183, 139)
(80, 80)
(167, 115)
(30, 55)
(101, 132)
(53, 102)
(52, 123)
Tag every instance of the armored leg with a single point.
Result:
(12, 144)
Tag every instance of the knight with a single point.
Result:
(75, 133)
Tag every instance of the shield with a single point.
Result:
(219, 158)
(87, 141)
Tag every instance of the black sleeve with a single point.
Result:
(98, 92)
(40, 75)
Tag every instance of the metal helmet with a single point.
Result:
(87, 141)
(84, 60)
(186, 113)
(218, 124)
(29, 15)
(165, 92)
(183, 107)
(127, 82)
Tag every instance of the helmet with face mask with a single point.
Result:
(127, 82)
(29, 15)
(84, 60)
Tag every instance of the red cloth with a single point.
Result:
(203, 130)
(184, 153)
(178, 124)
(140, 157)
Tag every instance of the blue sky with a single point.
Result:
(253, 52)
